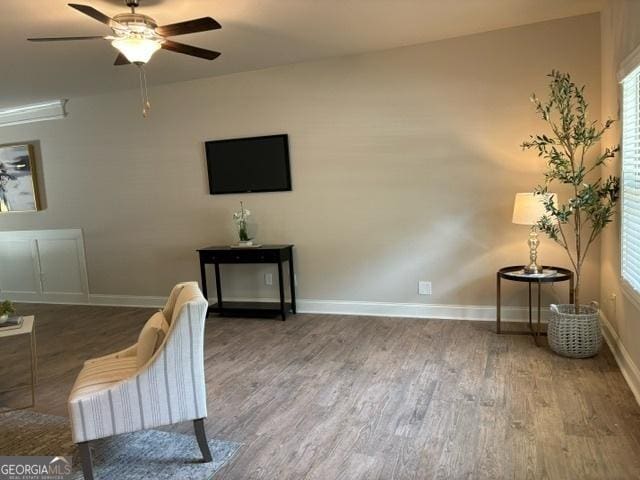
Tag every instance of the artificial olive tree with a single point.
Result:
(576, 223)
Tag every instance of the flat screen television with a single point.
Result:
(245, 165)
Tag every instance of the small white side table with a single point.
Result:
(27, 328)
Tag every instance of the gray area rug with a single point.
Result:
(141, 455)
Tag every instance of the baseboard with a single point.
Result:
(629, 369)
(59, 298)
(91, 299)
(126, 301)
(340, 307)
(416, 310)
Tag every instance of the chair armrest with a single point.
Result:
(127, 352)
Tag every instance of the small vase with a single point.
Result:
(4, 318)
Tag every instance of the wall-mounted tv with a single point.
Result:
(245, 165)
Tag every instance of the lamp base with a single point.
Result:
(533, 242)
(532, 269)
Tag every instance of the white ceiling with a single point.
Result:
(255, 34)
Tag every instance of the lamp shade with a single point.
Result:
(528, 208)
(137, 50)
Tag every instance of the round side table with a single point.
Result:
(516, 274)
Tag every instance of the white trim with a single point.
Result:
(484, 313)
(629, 369)
(61, 298)
(92, 299)
(339, 307)
(629, 64)
(33, 113)
(41, 295)
(628, 67)
(631, 293)
(56, 234)
(126, 301)
(23, 297)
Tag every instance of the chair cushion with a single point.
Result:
(101, 374)
(190, 291)
(167, 311)
(151, 337)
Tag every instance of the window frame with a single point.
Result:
(629, 66)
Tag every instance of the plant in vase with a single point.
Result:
(6, 309)
(574, 330)
(241, 220)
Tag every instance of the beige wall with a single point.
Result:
(405, 163)
(620, 36)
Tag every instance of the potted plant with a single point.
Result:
(574, 330)
(241, 219)
(6, 309)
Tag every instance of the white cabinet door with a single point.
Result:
(18, 269)
(61, 269)
(44, 266)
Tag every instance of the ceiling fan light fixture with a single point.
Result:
(137, 50)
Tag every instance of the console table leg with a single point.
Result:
(498, 302)
(281, 285)
(292, 283)
(203, 278)
(539, 315)
(218, 286)
(34, 365)
(530, 309)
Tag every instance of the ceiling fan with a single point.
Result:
(137, 37)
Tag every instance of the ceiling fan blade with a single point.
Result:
(190, 50)
(95, 14)
(190, 26)
(63, 39)
(121, 60)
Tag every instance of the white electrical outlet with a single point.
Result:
(424, 287)
(268, 279)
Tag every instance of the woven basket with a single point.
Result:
(575, 335)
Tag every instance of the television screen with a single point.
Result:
(243, 165)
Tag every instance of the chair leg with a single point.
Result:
(87, 463)
(201, 435)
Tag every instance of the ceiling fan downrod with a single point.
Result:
(132, 4)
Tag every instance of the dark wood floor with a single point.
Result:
(333, 397)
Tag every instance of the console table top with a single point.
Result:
(235, 249)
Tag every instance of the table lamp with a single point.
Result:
(528, 208)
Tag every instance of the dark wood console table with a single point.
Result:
(275, 254)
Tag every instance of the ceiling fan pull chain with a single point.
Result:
(144, 92)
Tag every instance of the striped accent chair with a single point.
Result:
(146, 386)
